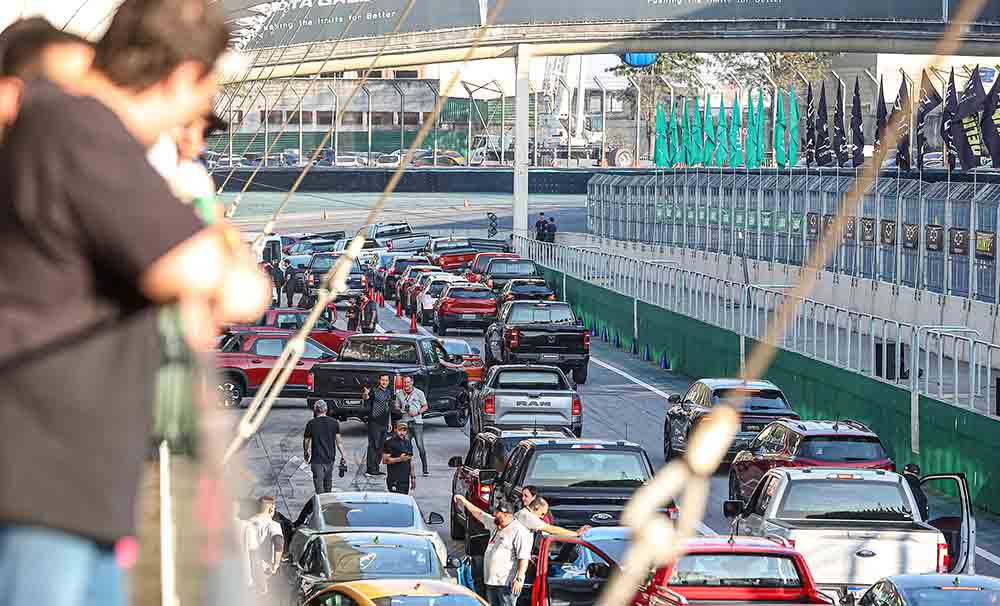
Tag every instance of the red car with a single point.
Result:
(732, 570)
(794, 443)
(244, 357)
(395, 271)
(409, 276)
(481, 261)
(291, 318)
(464, 306)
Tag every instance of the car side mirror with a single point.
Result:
(455, 461)
(598, 571)
(674, 398)
(434, 518)
(732, 509)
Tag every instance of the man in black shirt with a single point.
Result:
(397, 454)
(550, 230)
(540, 227)
(380, 400)
(367, 314)
(91, 241)
(321, 437)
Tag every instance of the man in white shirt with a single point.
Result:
(412, 403)
(265, 543)
(531, 518)
(507, 554)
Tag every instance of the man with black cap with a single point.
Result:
(507, 554)
(911, 473)
(540, 227)
(550, 230)
(397, 454)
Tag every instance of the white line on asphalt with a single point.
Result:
(987, 556)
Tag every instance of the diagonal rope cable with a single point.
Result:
(657, 542)
(73, 16)
(340, 108)
(335, 280)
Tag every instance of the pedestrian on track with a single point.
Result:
(73, 169)
(320, 444)
(508, 552)
(367, 314)
(288, 287)
(397, 454)
(264, 544)
(379, 400)
(911, 473)
(412, 403)
(278, 279)
(550, 230)
(540, 227)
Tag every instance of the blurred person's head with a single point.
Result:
(33, 48)
(266, 505)
(163, 53)
(383, 381)
(190, 138)
(407, 384)
(320, 408)
(539, 507)
(401, 429)
(528, 494)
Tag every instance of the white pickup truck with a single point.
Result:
(856, 526)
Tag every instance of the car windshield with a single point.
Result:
(456, 347)
(514, 268)
(436, 288)
(963, 595)
(379, 349)
(402, 264)
(753, 399)
(735, 570)
(530, 289)
(542, 314)
(369, 515)
(613, 546)
(470, 293)
(528, 379)
(393, 230)
(587, 467)
(483, 262)
(426, 600)
(380, 560)
(323, 264)
(834, 499)
(845, 449)
(444, 245)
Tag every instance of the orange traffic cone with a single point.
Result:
(399, 308)
(413, 324)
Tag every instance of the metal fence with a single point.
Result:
(939, 237)
(952, 363)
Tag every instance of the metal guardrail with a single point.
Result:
(940, 237)
(950, 364)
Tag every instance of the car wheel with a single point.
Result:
(668, 447)
(231, 391)
(734, 488)
(580, 375)
(457, 530)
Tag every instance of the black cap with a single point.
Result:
(912, 468)
(214, 124)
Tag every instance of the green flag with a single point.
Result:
(686, 137)
(697, 136)
(676, 152)
(660, 151)
(710, 142)
(780, 130)
(751, 133)
(793, 129)
(760, 123)
(735, 124)
(721, 147)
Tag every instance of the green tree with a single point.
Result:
(750, 69)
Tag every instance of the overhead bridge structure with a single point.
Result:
(305, 37)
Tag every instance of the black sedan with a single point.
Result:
(760, 403)
(933, 590)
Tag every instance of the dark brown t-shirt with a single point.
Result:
(83, 214)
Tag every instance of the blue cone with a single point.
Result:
(618, 341)
(604, 334)
(634, 348)
(663, 361)
(647, 355)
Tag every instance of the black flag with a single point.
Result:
(947, 117)
(824, 155)
(810, 143)
(901, 113)
(929, 99)
(965, 132)
(990, 122)
(881, 118)
(857, 134)
(839, 132)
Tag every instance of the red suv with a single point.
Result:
(794, 443)
(732, 570)
(291, 318)
(464, 306)
(245, 356)
(408, 278)
(481, 261)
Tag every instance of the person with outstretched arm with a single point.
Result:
(508, 552)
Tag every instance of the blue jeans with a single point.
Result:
(498, 595)
(84, 573)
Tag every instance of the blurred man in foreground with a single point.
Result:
(91, 241)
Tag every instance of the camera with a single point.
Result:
(343, 468)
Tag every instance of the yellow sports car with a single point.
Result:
(395, 593)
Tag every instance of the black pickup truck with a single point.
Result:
(586, 482)
(539, 332)
(363, 358)
(503, 269)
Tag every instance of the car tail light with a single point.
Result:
(586, 341)
(311, 382)
(473, 361)
(943, 559)
(381, 270)
(484, 492)
(490, 405)
(364, 281)
(791, 543)
(514, 338)
(577, 408)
